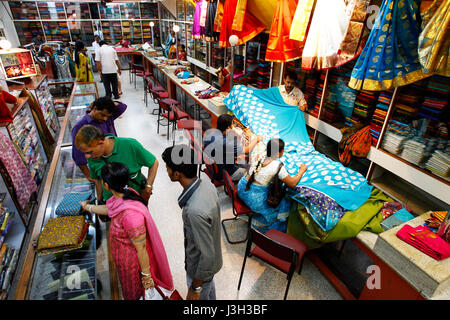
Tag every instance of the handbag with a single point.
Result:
(160, 295)
(276, 191)
(70, 204)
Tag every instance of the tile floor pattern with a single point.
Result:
(260, 281)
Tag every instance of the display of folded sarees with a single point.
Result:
(414, 150)
(62, 234)
(439, 163)
(364, 107)
(379, 116)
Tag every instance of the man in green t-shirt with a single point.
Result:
(100, 149)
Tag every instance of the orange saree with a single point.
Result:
(280, 48)
(251, 26)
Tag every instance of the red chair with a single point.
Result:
(157, 94)
(197, 149)
(239, 207)
(138, 72)
(278, 249)
(172, 113)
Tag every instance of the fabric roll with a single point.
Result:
(280, 48)
(390, 58)
(434, 40)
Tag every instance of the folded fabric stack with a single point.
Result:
(8, 263)
(389, 208)
(414, 150)
(425, 240)
(311, 84)
(364, 107)
(379, 116)
(62, 234)
(263, 75)
(393, 142)
(318, 95)
(435, 220)
(439, 163)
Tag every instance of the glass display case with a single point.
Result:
(51, 10)
(110, 11)
(149, 10)
(79, 106)
(190, 41)
(86, 87)
(76, 10)
(26, 31)
(200, 50)
(180, 10)
(217, 56)
(24, 10)
(130, 10)
(71, 275)
(45, 100)
(56, 31)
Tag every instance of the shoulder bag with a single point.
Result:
(276, 191)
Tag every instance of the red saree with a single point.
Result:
(280, 48)
(251, 26)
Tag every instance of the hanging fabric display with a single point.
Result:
(251, 26)
(434, 40)
(280, 48)
(211, 36)
(389, 58)
(197, 15)
(21, 178)
(219, 16)
(203, 15)
(238, 20)
(62, 65)
(301, 20)
(356, 36)
(326, 32)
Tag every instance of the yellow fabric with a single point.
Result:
(83, 71)
(376, 85)
(263, 10)
(301, 20)
(238, 20)
(219, 16)
(61, 232)
(434, 40)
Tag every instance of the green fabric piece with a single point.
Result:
(367, 217)
(129, 152)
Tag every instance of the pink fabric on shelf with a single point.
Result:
(426, 241)
(129, 220)
(21, 178)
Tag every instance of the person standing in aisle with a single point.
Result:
(201, 222)
(136, 245)
(108, 66)
(291, 94)
(100, 149)
(82, 65)
(102, 113)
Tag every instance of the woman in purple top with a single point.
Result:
(101, 114)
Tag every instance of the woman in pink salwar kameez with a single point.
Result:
(136, 246)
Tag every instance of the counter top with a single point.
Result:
(430, 277)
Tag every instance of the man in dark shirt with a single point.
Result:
(101, 114)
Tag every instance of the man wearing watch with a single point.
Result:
(100, 149)
(201, 222)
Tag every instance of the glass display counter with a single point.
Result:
(70, 275)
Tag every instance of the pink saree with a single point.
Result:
(129, 220)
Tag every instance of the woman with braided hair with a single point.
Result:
(253, 188)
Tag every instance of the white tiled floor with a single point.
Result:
(260, 281)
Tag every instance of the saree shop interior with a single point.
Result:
(357, 91)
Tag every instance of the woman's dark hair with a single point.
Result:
(224, 122)
(116, 175)
(79, 46)
(274, 146)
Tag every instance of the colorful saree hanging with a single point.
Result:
(210, 35)
(434, 40)
(219, 16)
(389, 58)
(197, 15)
(326, 32)
(251, 26)
(301, 20)
(280, 48)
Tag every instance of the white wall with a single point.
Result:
(170, 5)
(7, 24)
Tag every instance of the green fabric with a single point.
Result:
(367, 217)
(129, 152)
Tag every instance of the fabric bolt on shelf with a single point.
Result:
(61, 232)
(389, 58)
(82, 243)
(266, 113)
(70, 204)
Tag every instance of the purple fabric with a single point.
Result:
(196, 25)
(106, 127)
